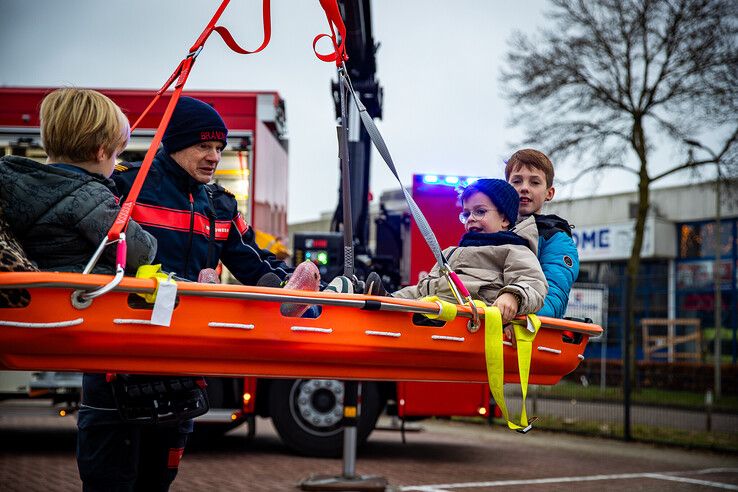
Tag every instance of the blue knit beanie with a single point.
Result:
(193, 121)
(500, 192)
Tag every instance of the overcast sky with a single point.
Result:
(439, 64)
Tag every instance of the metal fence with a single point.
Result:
(672, 399)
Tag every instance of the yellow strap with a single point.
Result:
(151, 271)
(448, 310)
(495, 359)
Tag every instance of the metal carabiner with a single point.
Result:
(475, 323)
(82, 299)
(462, 296)
(193, 54)
(527, 429)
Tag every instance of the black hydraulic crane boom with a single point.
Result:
(361, 67)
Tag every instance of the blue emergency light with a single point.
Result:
(448, 180)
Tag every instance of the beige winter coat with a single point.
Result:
(488, 271)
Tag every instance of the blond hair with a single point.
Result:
(530, 158)
(76, 123)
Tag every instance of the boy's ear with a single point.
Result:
(550, 194)
(101, 154)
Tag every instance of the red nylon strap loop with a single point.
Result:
(334, 19)
(267, 23)
(180, 74)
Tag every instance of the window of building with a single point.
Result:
(695, 287)
(697, 240)
(699, 275)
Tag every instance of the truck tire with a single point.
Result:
(307, 414)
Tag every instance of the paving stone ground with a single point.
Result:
(37, 454)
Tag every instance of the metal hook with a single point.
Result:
(527, 429)
(120, 272)
(82, 299)
(475, 322)
(193, 54)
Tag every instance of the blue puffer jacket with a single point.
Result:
(559, 259)
(196, 224)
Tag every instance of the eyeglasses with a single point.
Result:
(478, 214)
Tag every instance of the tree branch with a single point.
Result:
(598, 167)
(692, 164)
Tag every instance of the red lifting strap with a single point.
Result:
(180, 74)
(339, 47)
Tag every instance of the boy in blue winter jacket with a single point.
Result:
(531, 173)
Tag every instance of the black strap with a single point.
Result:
(448, 256)
(159, 399)
(211, 240)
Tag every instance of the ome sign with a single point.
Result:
(611, 241)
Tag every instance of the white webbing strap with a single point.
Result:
(381, 147)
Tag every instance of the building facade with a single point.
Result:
(676, 277)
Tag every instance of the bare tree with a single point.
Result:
(612, 78)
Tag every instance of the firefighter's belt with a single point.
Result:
(159, 399)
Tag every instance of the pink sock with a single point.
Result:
(305, 277)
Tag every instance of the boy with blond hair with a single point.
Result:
(531, 173)
(60, 212)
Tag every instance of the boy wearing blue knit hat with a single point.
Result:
(497, 265)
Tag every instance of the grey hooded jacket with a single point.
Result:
(488, 271)
(60, 216)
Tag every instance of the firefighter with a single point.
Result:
(197, 224)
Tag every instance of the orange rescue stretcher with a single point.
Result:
(229, 330)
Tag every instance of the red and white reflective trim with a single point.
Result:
(241, 224)
(179, 220)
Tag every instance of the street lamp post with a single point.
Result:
(718, 291)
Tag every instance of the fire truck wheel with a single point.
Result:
(307, 414)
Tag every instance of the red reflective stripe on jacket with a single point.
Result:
(179, 220)
(241, 224)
